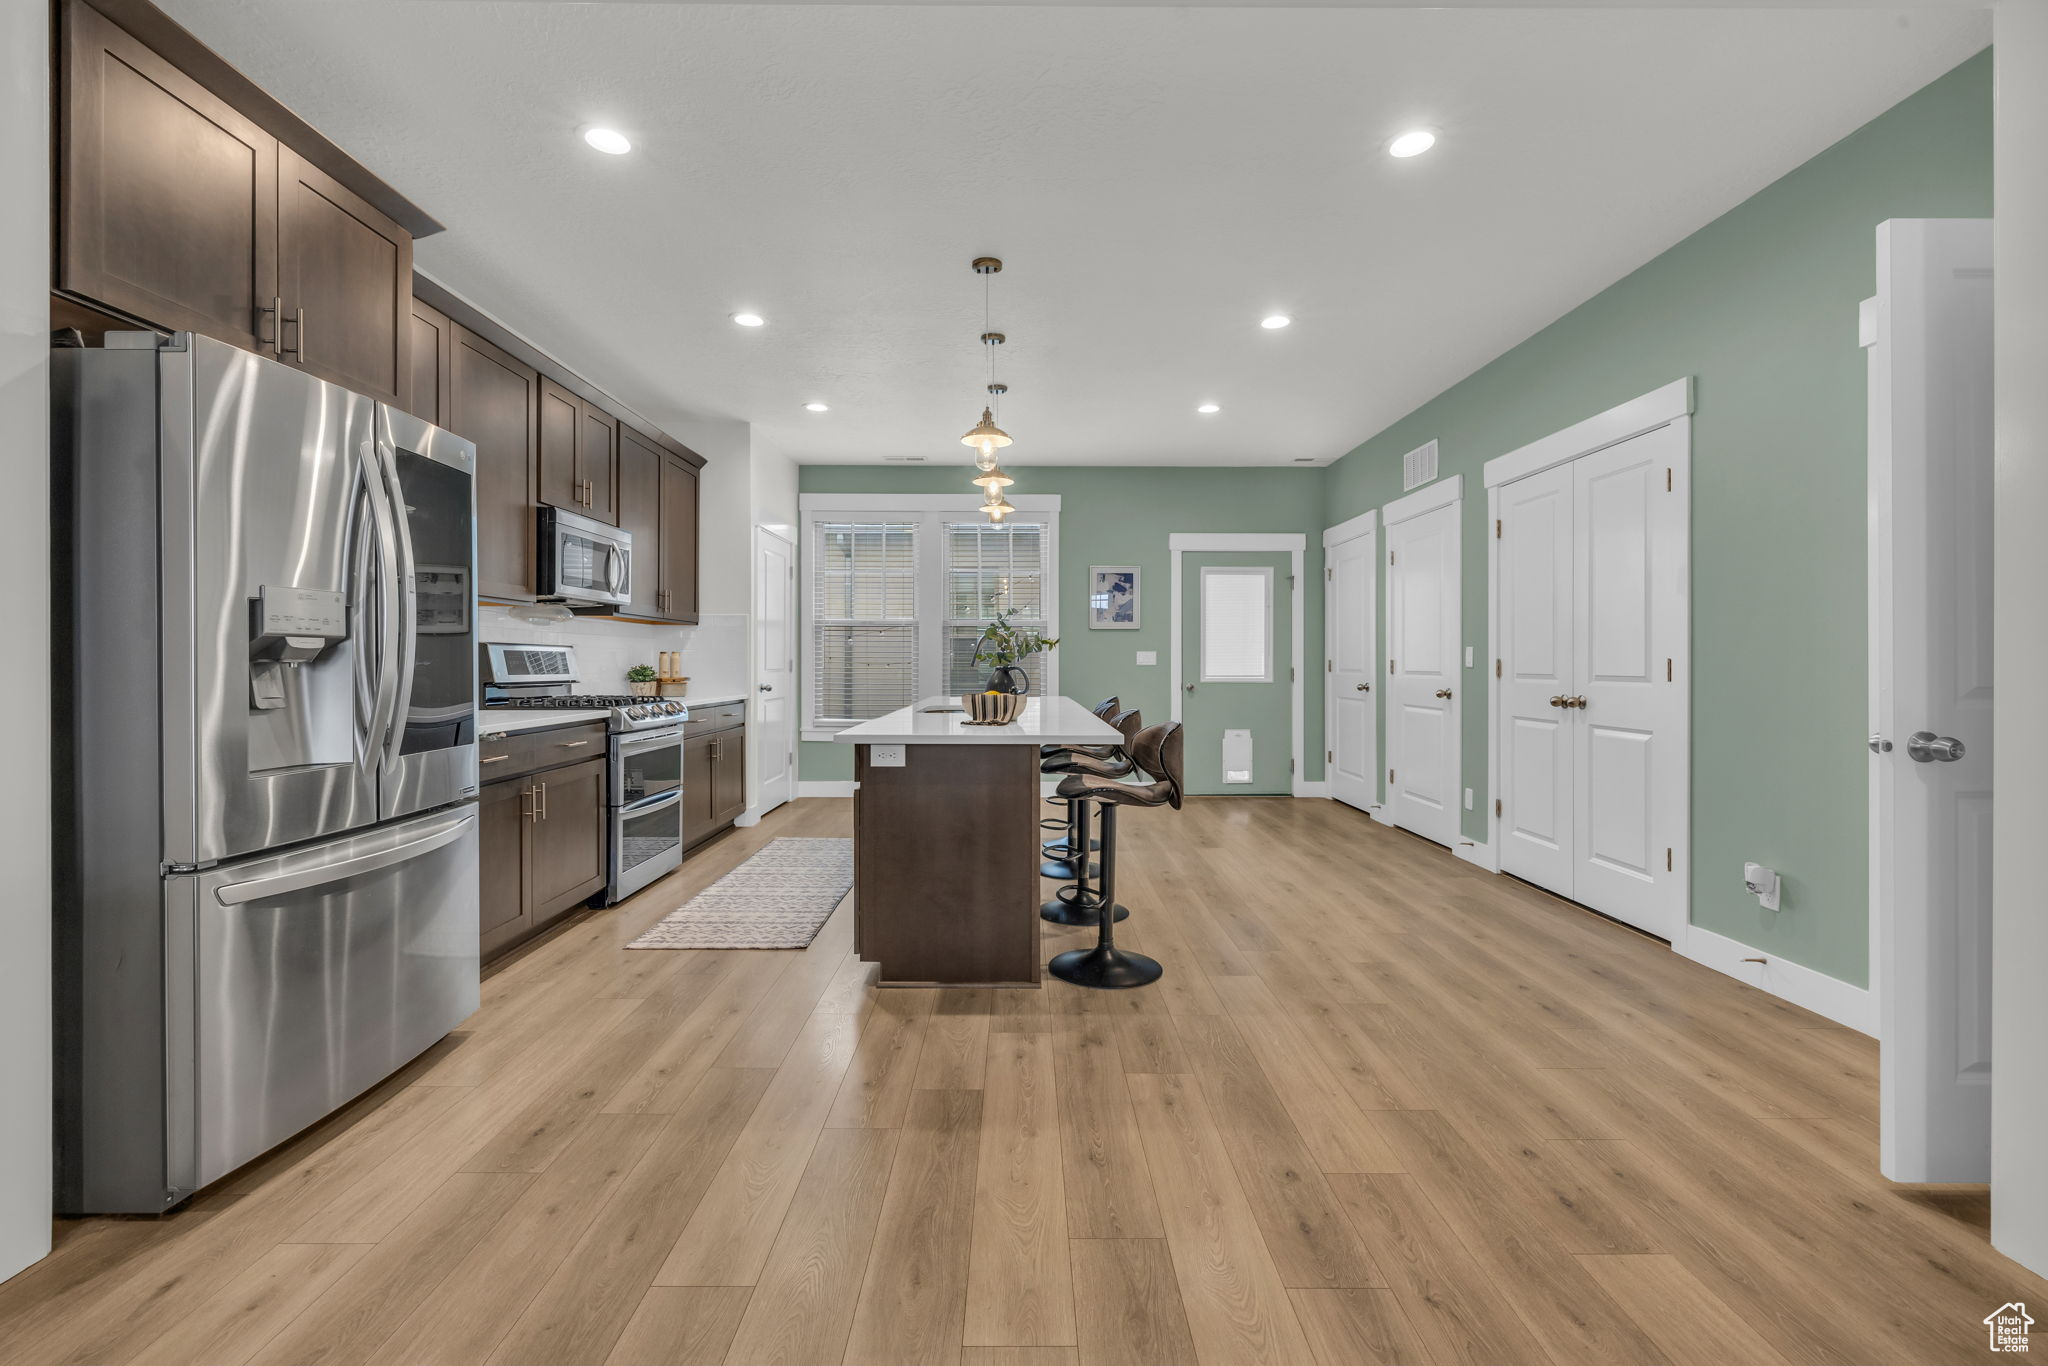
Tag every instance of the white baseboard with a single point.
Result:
(1308, 789)
(1472, 851)
(1802, 986)
(840, 789)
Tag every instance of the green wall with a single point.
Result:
(1120, 516)
(1760, 307)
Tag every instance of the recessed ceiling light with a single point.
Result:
(748, 319)
(1412, 143)
(1209, 408)
(816, 408)
(1275, 321)
(608, 140)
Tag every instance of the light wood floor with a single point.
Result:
(1383, 1107)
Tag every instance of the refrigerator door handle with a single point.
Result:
(404, 605)
(256, 889)
(375, 489)
(366, 531)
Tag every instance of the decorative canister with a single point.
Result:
(992, 708)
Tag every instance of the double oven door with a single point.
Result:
(647, 809)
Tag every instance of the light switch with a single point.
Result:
(1468, 664)
(885, 756)
(1147, 657)
(1468, 799)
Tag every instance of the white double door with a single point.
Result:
(1592, 718)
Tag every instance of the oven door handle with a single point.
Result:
(647, 806)
(641, 744)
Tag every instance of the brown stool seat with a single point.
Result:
(1065, 858)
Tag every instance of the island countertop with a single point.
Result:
(1046, 721)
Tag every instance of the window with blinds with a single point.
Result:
(1237, 624)
(863, 619)
(990, 568)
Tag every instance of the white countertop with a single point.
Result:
(714, 700)
(510, 720)
(1046, 721)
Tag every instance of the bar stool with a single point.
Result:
(1076, 903)
(1055, 850)
(1157, 751)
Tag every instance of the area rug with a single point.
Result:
(778, 899)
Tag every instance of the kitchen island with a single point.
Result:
(945, 840)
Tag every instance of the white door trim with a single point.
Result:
(1619, 423)
(1352, 529)
(1445, 493)
(919, 502)
(1599, 430)
(1295, 543)
(1428, 498)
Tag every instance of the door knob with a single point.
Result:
(1557, 701)
(767, 687)
(1189, 686)
(1579, 702)
(1925, 747)
(1365, 687)
(1443, 693)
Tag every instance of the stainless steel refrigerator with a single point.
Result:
(265, 721)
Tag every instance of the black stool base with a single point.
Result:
(1062, 870)
(1063, 912)
(1059, 847)
(1106, 969)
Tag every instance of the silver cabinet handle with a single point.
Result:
(571, 744)
(495, 759)
(297, 348)
(1925, 747)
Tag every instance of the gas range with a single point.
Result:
(627, 713)
(541, 678)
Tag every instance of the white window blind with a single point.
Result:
(864, 633)
(990, 569)
(1237, 624)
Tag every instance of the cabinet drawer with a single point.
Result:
(724, 716)
(527, 751)
(500, 756)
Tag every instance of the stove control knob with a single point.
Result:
(672, 708)
(636, 713)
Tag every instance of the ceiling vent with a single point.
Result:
(1418, 467)
(904, 459)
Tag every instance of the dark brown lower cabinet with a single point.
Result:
(542, 841)
(714, 783)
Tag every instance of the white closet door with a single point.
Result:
(1422, 659)
(1629, 758)
(1354, 730)
(1536, 607)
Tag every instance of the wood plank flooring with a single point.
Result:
(1383, 1107)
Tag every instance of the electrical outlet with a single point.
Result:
(1147, 658)
(885, 756)
(1468, 791)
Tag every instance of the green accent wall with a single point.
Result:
(1759, 307)
(1120, 516)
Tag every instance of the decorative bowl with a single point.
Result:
(992, 708)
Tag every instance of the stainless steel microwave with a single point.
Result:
(583, 562)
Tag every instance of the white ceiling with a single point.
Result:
(1155, 180)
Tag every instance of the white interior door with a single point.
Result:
(1931, 644)
(1630, 732)
(1422, 673)
(773, 729)
(1353, 757)
(1535, 604)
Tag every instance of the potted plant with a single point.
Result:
(641, 680)
(1003, 647)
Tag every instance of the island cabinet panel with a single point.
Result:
(166, 196)
(344, 284)
(640, 510)
(946, 872)
(678, 538)
(432, 359)
(494, 400)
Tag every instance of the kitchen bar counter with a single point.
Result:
(945, 841)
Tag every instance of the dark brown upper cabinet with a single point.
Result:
(496, 400)
(433, 342)
(344, 284)
(640, 513)
(167, 196)
(189, 200)
(678, 538)
(579, 454)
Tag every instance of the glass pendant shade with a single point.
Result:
(992, 479)
(997, 507)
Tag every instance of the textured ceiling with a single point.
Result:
(1155, 179)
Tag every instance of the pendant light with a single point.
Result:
(986, 437)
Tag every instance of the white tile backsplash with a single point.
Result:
(714, 650)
